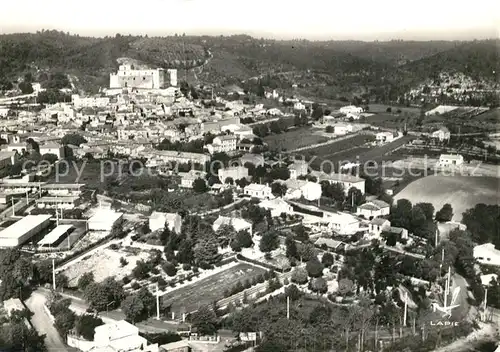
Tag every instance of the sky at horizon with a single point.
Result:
(313, 19)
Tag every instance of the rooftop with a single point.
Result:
(105, 215)
(256, 187)
(24, 225)
(323, 176)
(451, 156)
(55, 234)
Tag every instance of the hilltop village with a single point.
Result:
(162, 216)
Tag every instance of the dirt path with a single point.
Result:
(43, 323)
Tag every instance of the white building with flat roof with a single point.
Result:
(119, 336)
(258, 191)
(104, 220)
(55, 235)
(446, 160)
(23, 230)
(487, 254)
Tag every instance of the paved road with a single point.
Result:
(43, 323)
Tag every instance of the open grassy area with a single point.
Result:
(354, 150)
(295, 138)
(80, 172)
(462, 192)
(205, 291)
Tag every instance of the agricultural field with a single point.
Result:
(354, 149)
(295, 138)
(381, 108)
(339, 151)
(389, 120)
(205, 291)
(462, 192)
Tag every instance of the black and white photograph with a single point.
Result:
(249, 176)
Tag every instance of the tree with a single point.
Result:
(307, 251)
(483, 223)
(200, 185)
(85, 280)
(206, 251)
(401, 213)
(100, 295)
(314, 268)
(417, 218)
(299, 276)
(278, 189)
(205, 321)
(141, 270)
(301, 233)
(49, 157)
(428, 210)
(85, 326)
(185, 254)
(169, 269)
(345, 286)
(445, 214)
(244, 239)
(291, 248)
(229, 181)
(242, 182)
(65, 321)
(293, 292)
(354, 197)
(319, 285)
(327, 259)
(73, 139)
(133, 308)
(26, 87)
(269, 241)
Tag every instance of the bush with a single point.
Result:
(123, 261)
(186, 267)
(195, 270)
(136, 286)
(126, 280)
(299, 276)
(314, 268)
(155, 271)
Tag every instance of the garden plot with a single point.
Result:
(205, 291)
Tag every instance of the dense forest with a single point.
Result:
(381, 68)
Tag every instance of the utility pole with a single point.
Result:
(406, 309)
(436, 238)
(53, 274)
(157, 302)
(288, 307)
